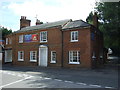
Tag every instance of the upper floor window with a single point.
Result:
(43, 36)
(92, 36)
(53, 57)
(20, 55)
(21, 39)
(33, 56)
(74, 36)
(10, 40)
(6, 41)
(74, 57)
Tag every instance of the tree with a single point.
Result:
(109, 23)
(5, 32)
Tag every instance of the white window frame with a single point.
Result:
(20, 38)
(19, 57)
(52, 61)
(73, 35)
(71, 57)
(31, 56)
(41, 36)
(6, 41)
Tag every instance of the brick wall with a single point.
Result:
(83, 45)
(54, 44)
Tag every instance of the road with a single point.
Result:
(38, 77)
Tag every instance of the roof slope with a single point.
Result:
(75, 24)
(44, 26)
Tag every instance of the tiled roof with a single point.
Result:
(44, 26)
(66, 24)
(75, 24)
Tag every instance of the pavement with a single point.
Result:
(105, 77)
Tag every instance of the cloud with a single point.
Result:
(52, 10)
(46, 10)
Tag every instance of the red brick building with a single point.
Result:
(64, 43)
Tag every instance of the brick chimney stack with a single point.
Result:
(95, 20)
(24, 22)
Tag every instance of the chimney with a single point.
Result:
(95, 20)
(24, 22)
(38, 22)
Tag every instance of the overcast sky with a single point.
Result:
(46, 11)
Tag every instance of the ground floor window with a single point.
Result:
(74, 57)
(20, 55)
(53, 57)
(33, 56)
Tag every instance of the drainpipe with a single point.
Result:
(62, 48)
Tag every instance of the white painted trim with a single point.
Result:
(51, 57)
(46, 37)
(78, 58)
(19, 56)
(74, 62)
(20, 59)
(43, 46)
(33, 60)
(74, 41)
(74, 36)
(53, 62)
(20, 37)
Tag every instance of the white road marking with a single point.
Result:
(108, 87)
(40, 77)
(15, 82)
(47, 78)
(68, 81)
(9, 73)
(19, 75)
(41, 87)
(13, 74)
(57, 79)
(24, 75)
(94, 85)
(82, 83)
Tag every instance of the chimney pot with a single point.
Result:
(38, 22)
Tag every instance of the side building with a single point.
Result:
(64, 43)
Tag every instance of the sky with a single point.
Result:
(45, 10)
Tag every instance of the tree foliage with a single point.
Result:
(109, 22)
(5, 32)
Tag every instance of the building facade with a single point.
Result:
(64, 43)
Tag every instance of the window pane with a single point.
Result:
(43, 36)
(74, 56)
(76, 35)
(53, 56)
(33, 55)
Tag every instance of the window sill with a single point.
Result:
(33, 60)
(74, 62)
(43, 41)
(52, 62)
(20, 42)
(74, 41)
(21, 60)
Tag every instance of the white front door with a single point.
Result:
(43, 56)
